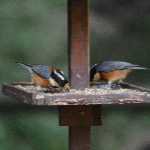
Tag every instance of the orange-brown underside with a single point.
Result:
(37, 80)
(114, 75)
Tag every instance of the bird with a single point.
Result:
(112, 71)
(46, 76)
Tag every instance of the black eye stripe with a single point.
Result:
(58, 79)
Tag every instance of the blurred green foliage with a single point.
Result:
(32, 31)
(33, 128)
(124, 127)
(30, 130)
(35, 31)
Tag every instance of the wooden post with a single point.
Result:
(79, 138)
(79, 118)
(78, 33)
(78, 42)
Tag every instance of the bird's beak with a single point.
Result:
(97, 77)
(66, 87)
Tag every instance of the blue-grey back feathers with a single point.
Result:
(42, 70)
(108, 66)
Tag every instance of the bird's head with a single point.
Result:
(59, 77)
(93, 71)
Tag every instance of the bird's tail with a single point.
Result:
(26, 66)
(140, 68)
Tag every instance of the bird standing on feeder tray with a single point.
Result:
(46, 76)
(112, 71)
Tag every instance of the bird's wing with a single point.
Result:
(27, 67)
(108, 66)
(42, 70)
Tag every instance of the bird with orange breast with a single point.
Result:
(46, 76)
(112, 71)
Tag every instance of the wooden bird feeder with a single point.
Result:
(80, 108)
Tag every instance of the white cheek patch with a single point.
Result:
(59, 75)
(53, 82)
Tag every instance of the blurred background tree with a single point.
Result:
(35, 31)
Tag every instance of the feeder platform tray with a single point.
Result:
(29, 94)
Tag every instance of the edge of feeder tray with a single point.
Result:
(131, 94)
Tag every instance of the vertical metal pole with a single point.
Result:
(78, 36)
(78, 33)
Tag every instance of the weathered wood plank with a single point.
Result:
(89, 96)
(78, 43)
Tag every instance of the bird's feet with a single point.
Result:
(108, 86)
(115, 86)
(104, 86)
(66, 87)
